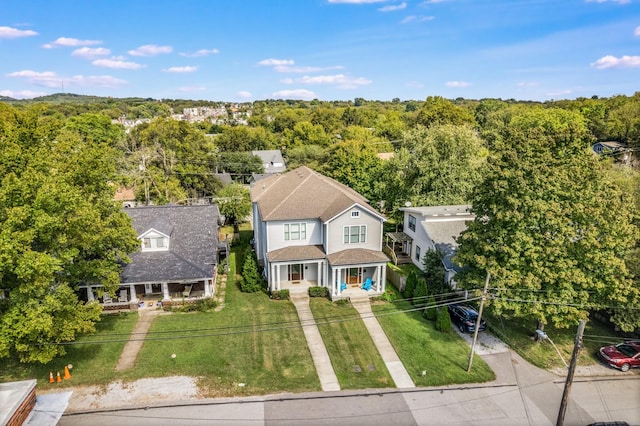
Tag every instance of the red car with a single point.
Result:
(622, 356)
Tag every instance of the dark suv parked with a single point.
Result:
(465, 318)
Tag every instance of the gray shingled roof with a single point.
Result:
(304, 194)
(444, 234)
(356, 257)
(287, 254)
(192, 252)
(271, 160)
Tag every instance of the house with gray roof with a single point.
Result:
(310, 230)
(435, 228)
(271, 160)
(178, 255)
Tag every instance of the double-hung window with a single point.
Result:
(355, 234)
(412, 223)
(418, 253)
(295, 231)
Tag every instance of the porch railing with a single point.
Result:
(392, 255)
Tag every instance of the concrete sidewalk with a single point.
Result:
(327, 376)
(136, 340)
(387, 352)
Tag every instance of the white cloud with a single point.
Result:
(294, 94)
(244, 94)
(51, 79)
(559, 93)
(301, 70)
(275, 62)
(339, 80)
(393, 7)
(8, 32)
(200, 53)
(528, 84)
(356, 1)
(90, 52)
(610, 61)
(22, 94)
(150, 50)
(416, 19)
(70, 42)
(118, 64)
(457, 84)
(613, 1)
(187, 89)
(636, 32)
(181, 69)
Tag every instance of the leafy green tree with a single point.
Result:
(434, 272)
(243, 138)
(430, 311)
(305, 133)
(306, 155)
(439, 165)
(438, 111)
(420, 292)
(59, 227)
(251, 279)
(551, 227)
(410, 285)
(241, 164)
(234, 203)
(356, 165)
(443, 320)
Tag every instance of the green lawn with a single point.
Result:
(517, 333)
(349, 345)
(93, 363)
(254, 341)
(442, 356)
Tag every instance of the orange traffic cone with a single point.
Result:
(51, 377)
(67, 375)
(59, 379)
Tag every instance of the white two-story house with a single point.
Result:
(311, 230)
(435, 228)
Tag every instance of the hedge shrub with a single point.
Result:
(318, 292)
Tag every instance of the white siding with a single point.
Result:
(275, 234)
(336, 231)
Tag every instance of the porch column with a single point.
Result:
(383, 280)
(278, 283)
(272, 276)
(165, 291)
(338, 277)
(132, 291)
(320, 281)
(208, 284)
(90, 296)
(378, 276)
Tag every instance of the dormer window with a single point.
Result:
(153, 240)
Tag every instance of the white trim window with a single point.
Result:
(418, 253)
(154, 242)
(355, 214)
(412, 223)
(295, 231)
(355, 234)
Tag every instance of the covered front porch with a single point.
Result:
(356, 271)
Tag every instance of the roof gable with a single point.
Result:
(304, 194)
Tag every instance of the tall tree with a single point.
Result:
(59, 227)
(234, 203)
(551, 227)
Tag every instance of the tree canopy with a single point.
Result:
(551, 227)
(59, 227)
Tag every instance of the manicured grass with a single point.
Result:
(442, 356)
(349, 345)
(518, 334)
(92, 363)
(253, 341)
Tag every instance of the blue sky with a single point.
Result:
(245, 50)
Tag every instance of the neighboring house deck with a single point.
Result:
(434, 228)
(178, 256)
(311, 230)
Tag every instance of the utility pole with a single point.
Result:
(572, 367)
(475, 332)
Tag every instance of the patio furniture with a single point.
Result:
(187, 290)
(367, 284)
(343, 286)
(122, 297)
(106, 298)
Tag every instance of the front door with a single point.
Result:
(296, 272)
(355, 276)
